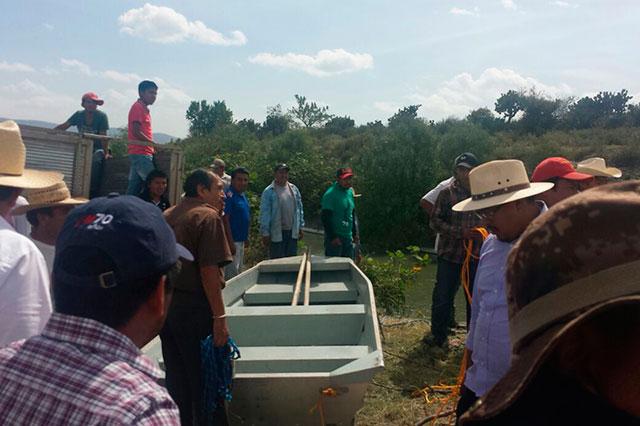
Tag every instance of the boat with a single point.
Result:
(302, 364)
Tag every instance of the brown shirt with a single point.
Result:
(199, 228)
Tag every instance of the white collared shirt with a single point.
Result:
(25, 302)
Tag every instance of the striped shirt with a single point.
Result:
(79, 371)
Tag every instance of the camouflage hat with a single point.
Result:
(580, 258)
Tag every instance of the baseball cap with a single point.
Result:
(130, 231)
(557, 167)
(92, 97)
(344, 172)
(466, 159)
(280, 167)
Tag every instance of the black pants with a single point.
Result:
(97, 170)
(444, 293)
(466, 401)
(189, 320)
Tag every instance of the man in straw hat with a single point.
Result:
(503, 198)
(46, 213)
(597, 168)
(25, 303)
(574, 316)
(559, 171)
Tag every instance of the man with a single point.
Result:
(237, 214)
(503, 197)
(46, 214)
(218, 167)
(111, 296)
(574, 316)
(428, 202)
(597, 167)
(197, 309)
(560, 172)
(155, 189)
(281, 215)
(25, 303)
(454, 229)
(140, 135)
(91, 120)
(338, 216)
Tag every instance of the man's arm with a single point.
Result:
(63, 126)
(426, 206)
(212, 279)
(265, 217)
(137, 132)
(328, 227)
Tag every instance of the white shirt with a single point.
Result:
(48, 251)
(432, 195)
(25, 302)
(20, 222)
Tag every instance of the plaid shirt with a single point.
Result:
(79, 371)
(451, 225)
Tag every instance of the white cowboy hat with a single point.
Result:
(499, 182)
(13, 158)
(597, 167)
(53, 196)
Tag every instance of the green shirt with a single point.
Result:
(99, 125)
(340, 201)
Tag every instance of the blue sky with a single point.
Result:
(363, 59)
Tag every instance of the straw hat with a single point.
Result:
(13, 158)
(499, 182)
(597, 167)
(56, 195)
(577, 260)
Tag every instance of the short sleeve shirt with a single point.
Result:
(200, 229)
(98, 126)
(236, 207)
(287, 205)
(340, 201)
(140, 112)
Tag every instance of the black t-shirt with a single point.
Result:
(99, 125)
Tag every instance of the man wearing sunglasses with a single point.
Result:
(505, 201)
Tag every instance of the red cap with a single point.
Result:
(556, 167)
(344, 173)
(92, 97)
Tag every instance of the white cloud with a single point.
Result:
(467, 12)
(30, 100)
(75, 65)
(509, 4)
(463, 93)
(386, 107)
(15, 67)
(121, 77)
(563, 4)
(325, 63)
(48, 26)
(164, 25)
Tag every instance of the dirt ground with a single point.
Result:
(410, 366)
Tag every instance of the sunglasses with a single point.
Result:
(488, 213)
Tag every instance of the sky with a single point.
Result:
(364, 59)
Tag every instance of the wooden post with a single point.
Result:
(296, 288)
(307, 281)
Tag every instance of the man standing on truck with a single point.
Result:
(90, 120)
(141, 145)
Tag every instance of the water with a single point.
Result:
(418, 293)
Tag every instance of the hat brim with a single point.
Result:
(575, 176)
(526, 364)
(31, 179)
(470, 204)
(465, 165)
(346, 175)
(66, 202)
(612, 172)
(184, 253)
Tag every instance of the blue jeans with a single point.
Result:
(141, 166)
(285, 248)
(346, 249)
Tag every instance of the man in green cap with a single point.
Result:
(338, 213)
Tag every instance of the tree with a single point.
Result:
(484, 118)
(509, 104)
(309, 113)
(276, 122)
(340, 124)
(250, 125)
(408, 113)
(606, 109)
(205, 118)
(539, 113)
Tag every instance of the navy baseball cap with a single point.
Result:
(466, 159)
(130, 231)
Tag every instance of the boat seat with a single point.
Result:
(296, 325)
(296, 359)
(279, 294)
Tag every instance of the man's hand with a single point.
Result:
(300, 234)
(108, 156)
(232, 247)
(266, 240)
(220, 332)
(336, 242)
